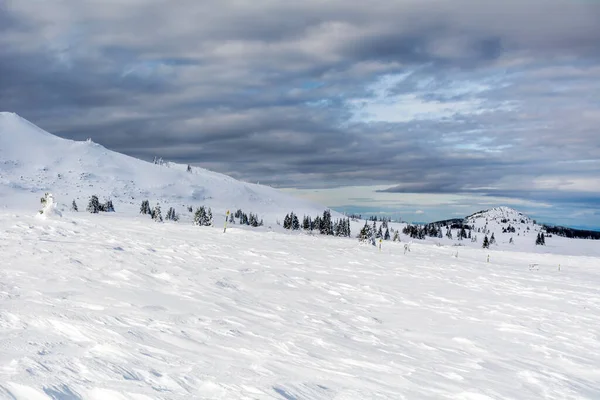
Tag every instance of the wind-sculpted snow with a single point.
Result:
(106, 307)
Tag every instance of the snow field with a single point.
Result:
(112, 307)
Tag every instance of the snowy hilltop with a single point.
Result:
(33, 161)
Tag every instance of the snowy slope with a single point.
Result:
(32, 161)
(113, 307)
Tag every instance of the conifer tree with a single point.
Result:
(326, 227)
(145, 207)
(386, 236)
(540, 240)
(306, 223)
(157, 213)
(492, 239)
(365, 233)
(94, 205)
(396, 236)
(287, 221)
(199, 216)
(295, 222)
(172, 215)
(108, 206)
(486, 242)
(74, 206)
(379, 234)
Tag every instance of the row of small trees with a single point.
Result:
(94, 206)
(323, 224)
(246, 219)
(156, 212)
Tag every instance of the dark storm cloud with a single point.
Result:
(493, 94)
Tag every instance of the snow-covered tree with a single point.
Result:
(365, 233)
(48, 207)
(295, 222)
(157, 213)
(492, 239)
(74, 206)
(107, 206)
(203, 216)
(145, 207)
(94, 205)
(386, 235)
(172, 215)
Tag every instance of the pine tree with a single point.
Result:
(74, 206)
(386, 236)
(287, 221)
(145, 207)
(209, 217)
(295, 222)
(189, 168)
(379, 234)
(492, 239)
(326, 227)
(449, 233)
(486, 242)
(540, 240)
(108, 206)
(94, 205)
(396, 236)
(365, 233)
(172, 215)
(511, 241)
(306, 223)
(199, 216)
(157, 214)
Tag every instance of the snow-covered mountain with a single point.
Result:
(33, 161)
(499, 215)
(503, 220)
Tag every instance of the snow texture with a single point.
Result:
(112, 307)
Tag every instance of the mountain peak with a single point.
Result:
(502, 213)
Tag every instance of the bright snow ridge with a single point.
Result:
(106, 307)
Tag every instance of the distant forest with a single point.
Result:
(572, 233)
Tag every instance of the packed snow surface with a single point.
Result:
(118, 307)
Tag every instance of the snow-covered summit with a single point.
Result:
(499, 214)
(33, 161)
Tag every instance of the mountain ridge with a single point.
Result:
(34, 161)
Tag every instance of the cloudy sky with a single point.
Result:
(425, 109)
